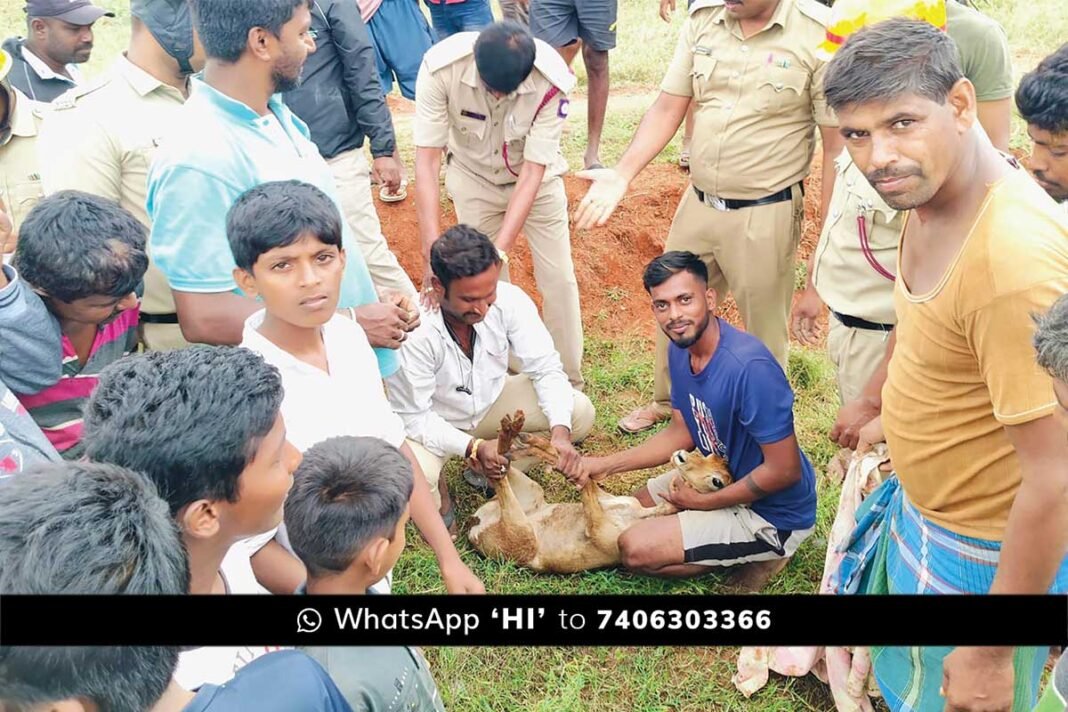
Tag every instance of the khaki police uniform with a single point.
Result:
(488, 139)
(20, 179)
(100, 139)
(757, 103)
(853, 272)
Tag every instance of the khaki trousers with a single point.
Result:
(353, 178)
(856, 353)
(518, 394)
(482, 205)
(158, 299)
(750, 253)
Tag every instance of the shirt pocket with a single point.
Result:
(781, 90)
(471, 130)
(23, 195)
(702, 76)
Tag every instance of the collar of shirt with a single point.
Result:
(239, 112)
(45, 72)
(483, 374)
(777, 18)
(252, 339)
(141, 81)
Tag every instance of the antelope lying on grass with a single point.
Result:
(518, 524)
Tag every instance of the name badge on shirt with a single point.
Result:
(472, 115)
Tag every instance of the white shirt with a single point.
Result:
(350, 400)
(424, 392)
(216, 665)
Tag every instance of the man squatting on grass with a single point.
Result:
(982, 467)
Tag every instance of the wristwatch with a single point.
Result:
(503, 255)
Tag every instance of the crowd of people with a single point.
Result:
(212, 360)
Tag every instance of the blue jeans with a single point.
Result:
(465, 16)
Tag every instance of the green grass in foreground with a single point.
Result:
(619, 376)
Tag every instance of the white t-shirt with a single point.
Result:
(350, 400)
(216, 665)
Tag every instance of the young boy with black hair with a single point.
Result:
(286, 241)
(136, 549)
(346, 516)
(81, 258)
(204, 425)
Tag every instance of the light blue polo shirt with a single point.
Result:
(220, 149)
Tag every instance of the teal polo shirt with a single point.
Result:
(220, 149)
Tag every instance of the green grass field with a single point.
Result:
(619, 376)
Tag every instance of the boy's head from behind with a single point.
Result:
(84, 254)
(84, 528)
(286, 240)
(204, 424)
(348, 507)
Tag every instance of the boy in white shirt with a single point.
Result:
(286, 240)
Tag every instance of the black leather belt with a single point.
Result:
(718, 203)
(159, 318)
(857, 323)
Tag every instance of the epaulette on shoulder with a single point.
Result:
(69, 99)
(449, 50)
(553, 67)
(815, 10)
(702, 4)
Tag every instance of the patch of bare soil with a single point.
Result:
(608, 260)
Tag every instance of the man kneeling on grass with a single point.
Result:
(729, 397)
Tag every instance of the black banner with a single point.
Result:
(534, 620)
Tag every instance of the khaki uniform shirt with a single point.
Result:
(100, 138)
(20, 179)
(757, 101)
(491, 137)
(842, 275)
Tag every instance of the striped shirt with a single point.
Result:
(58, 408)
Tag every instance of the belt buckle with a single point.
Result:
(716, 202)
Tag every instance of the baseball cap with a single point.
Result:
(76, 12)
(848, 16)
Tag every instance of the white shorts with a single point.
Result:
(729, 536)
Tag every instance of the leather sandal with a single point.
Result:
(645, 417)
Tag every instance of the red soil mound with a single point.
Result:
(608, 260)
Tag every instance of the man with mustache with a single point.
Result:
(454, 387)
(60, 38)
(978, 504)
(751, 71)
(1042, 99)
(731, 399)
(852, 268)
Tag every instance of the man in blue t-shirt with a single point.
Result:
(730, 398)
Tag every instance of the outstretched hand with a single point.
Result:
(666, 8)
(601, 200)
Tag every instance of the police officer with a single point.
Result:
(751, 69)
(100, 138)
(20, 181)
(853, 266)
(496, 101)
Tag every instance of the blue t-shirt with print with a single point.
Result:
(277, 682)
(738, 402)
